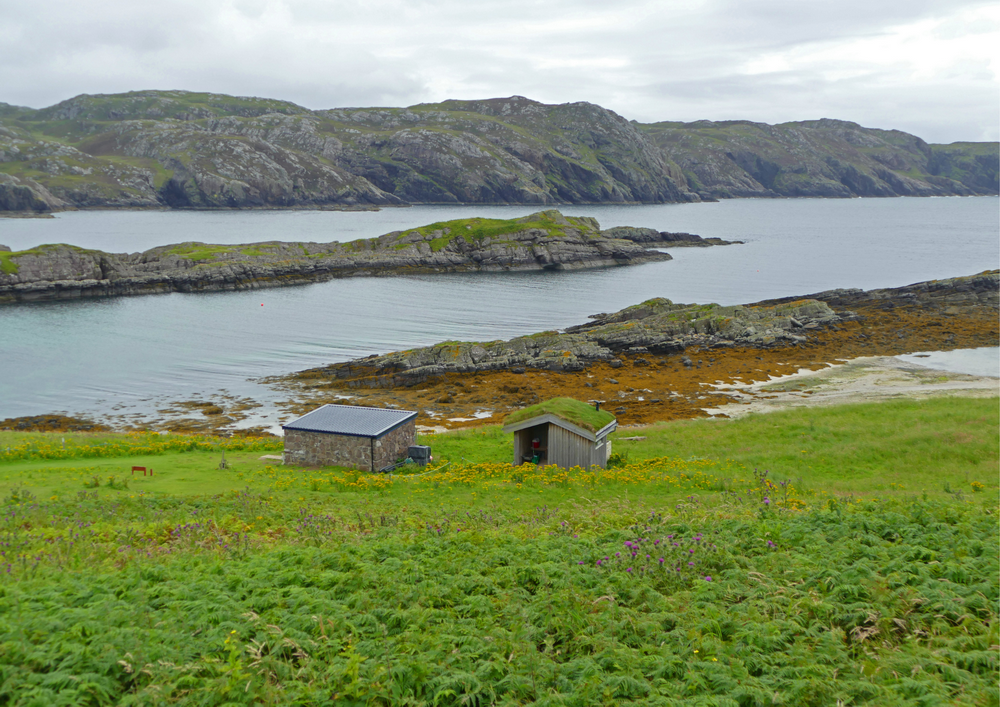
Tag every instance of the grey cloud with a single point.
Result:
(646, 59)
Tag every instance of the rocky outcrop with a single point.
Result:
(663, 239)
(949, 296)
(184, 150)
(542, 241)
(659, 326)
(26, 195)
(656, 327)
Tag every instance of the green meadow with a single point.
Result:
(844, 555)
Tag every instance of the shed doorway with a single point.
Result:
(533, 443)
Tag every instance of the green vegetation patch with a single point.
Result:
(253, 598)
(200, 251)
(676, 580)
(574, 411)
(937, 446)
(7, 265)
(475, 230)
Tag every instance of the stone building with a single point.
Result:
(347, 435)
(561, 431)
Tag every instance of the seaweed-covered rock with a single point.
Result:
(659, 326)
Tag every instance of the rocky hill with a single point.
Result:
(542, 241)
(180, 149)
(821, 158)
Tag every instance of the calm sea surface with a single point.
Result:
(131, 355)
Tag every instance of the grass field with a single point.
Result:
(814, 557)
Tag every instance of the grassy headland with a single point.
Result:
(861, 568)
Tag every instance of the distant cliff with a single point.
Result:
(180, 149)
(543, 241)
(821, 158)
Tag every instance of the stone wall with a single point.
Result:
(324, 449)
(394, 445)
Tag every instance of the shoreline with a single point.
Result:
(647, 363)
(858, 380)
(863, 379)
(378, 207)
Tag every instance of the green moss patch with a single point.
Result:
(9, 266)
(199, 251)
(474, 230)
(573, 411)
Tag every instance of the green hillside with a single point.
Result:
(182, 149)
(858, 567)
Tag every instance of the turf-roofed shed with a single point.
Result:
(348, 435)
(561, 431)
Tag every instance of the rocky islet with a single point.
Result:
(542, 241)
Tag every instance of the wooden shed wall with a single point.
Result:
(569, 449)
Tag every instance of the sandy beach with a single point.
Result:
(864, 379)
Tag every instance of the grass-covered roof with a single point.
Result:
(573, 411)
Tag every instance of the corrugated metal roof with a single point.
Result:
(351, 420)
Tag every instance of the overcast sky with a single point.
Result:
(927, 67)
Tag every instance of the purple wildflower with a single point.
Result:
(708, 578)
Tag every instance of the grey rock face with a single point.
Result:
(23, 194)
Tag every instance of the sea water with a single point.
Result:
(136, 354)
(983, 361)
